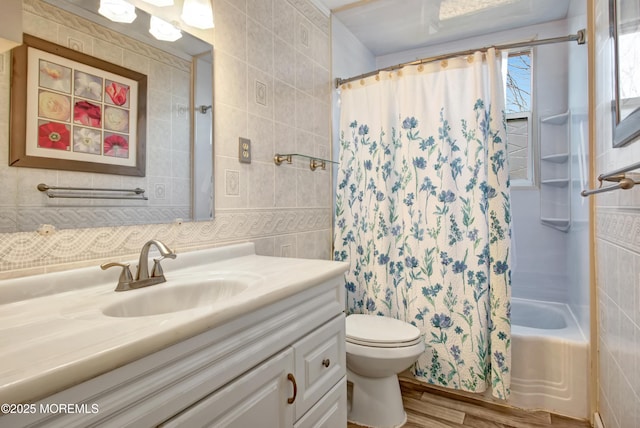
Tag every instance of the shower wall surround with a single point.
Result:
(272, 85)
(617, 256)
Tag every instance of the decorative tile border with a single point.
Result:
(70, 20)
(28, 219)
(26, 250)
(312, 13)
(619, 227)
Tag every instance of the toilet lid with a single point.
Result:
(373, 330)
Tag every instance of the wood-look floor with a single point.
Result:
(427, 407)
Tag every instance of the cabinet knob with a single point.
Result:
(292, 378)
(326, 362)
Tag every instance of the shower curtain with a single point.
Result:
(423, 215)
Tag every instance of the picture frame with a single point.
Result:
(71, 111)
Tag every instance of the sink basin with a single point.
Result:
(176, 296)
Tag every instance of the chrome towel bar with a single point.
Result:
(620, 176)
(91, 193)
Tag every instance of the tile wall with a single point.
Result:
(272, 85)
(617, 257)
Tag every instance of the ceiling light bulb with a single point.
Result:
(162, 30)
(117, 10)
(159, 3)
(197, 13)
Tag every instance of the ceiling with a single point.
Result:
(389, 26)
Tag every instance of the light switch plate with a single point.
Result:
(245, 150)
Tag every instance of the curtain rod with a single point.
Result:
(578, 37)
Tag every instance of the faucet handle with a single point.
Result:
(157, 268)
(125, 276)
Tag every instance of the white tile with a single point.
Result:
(261, 135)
(284, 102)
(261, 11)
(230, 81)
(261, 185)
(230, 124)
(284, 16)
(259, 47)
(231, 30)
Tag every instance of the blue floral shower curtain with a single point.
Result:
(423, 215)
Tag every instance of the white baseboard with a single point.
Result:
(597, 421)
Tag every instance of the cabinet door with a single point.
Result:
(256, 399)
(330, 411)
(320, 363)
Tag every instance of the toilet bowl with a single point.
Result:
(378, 348)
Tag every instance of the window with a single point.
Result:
(519, 122)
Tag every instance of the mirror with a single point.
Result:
(624, 16)
(179, 173)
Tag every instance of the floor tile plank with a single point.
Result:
(434, 410)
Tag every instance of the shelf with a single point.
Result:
(558, 119)
(558, 223)
(557, 182)
(557, 158)
(314, 162)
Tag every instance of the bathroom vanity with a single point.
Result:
(267, 351)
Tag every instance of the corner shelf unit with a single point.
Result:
(555, 171)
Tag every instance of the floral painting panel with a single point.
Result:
(54, 106)
(117, 93)
(54, 76)
(86, 113)
(116, 119)
(87, 86)
(53, 135)
(116, 145)
(87, 140)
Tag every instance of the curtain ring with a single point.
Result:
(444, 63)
(421, 67)
(378, 77)
(349, 85)
(362, 82)
(470, 59)
(344, 86)
(399, 73)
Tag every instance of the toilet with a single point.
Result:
(378, 348)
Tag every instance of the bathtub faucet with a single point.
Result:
(142, 279)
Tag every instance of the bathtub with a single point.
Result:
(549, 359)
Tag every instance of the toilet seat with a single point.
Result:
(380, 332)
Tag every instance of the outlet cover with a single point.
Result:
(245, 150)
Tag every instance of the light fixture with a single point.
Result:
(159, 3)
(197, 13)
(117, 10)
(162, 30)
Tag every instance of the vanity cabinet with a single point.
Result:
(282, 365)
(300, 376)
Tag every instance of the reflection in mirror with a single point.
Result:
(177, 133)
(625, 30)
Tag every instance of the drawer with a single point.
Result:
(330, 411)
(320, 362)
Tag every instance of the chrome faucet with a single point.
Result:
(142, 279)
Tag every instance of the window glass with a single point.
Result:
(518, 109)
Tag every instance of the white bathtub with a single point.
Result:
(550, 363)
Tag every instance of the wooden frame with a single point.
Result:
(626, 126)
(71, 111)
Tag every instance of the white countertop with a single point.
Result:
(51, 342)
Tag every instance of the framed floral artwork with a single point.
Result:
(72, 111)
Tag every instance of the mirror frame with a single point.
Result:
(628, 129)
